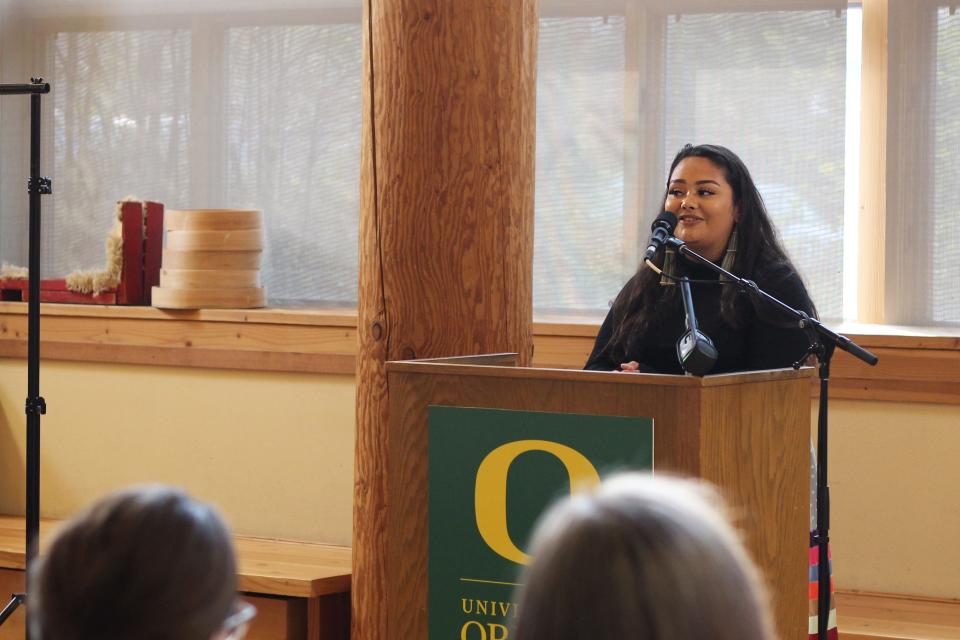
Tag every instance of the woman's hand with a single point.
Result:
(630, 367)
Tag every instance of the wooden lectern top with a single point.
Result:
(502, 365)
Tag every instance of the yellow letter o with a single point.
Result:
(490, 497)
(466, 628)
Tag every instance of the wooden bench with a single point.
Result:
(876, 616)
(301, 589)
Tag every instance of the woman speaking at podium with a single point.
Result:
(721, 216)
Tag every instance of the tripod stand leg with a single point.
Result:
(35, 405)
(16, 601)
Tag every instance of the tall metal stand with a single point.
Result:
(823, 349)
(823, 343)
(35, 404)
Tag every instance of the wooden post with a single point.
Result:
(446, 220)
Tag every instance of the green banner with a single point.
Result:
(492, 473)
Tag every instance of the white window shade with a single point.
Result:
(292, 122)
(580, 171)
(945, 231)
(771, 86)
(198, 105)
(619, 94)
(120, 126)
(923, 161)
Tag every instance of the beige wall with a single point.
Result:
(895, 486)
(274, 451)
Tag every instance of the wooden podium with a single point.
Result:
(748, 433)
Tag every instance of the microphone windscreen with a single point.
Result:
(665, 220)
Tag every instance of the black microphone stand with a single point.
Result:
(823, 343)
(35, 405)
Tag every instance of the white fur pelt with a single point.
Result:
(97, 281)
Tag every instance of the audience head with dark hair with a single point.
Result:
(149, 563)
(640, 558)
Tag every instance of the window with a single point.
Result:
(945, 268)
(770, 85)
(120, 126)
(212, 103)
(293, 149)
(923, 162)
(203, 105)
(623, 85)
(620, 94)
(581, 173)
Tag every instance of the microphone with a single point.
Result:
(662, 228)
(694, 349)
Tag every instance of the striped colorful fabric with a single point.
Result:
(814, 592)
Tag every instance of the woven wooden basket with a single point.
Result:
(211, 260)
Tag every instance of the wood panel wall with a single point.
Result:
(446, 218)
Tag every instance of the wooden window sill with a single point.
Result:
(308, 339)
(916, 364)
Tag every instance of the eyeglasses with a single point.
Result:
(237, 624)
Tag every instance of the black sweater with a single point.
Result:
(769, 342)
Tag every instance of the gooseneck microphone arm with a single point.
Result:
(689, 314)
(823, 343)
(696, 352)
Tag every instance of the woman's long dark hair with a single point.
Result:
(757, 246)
